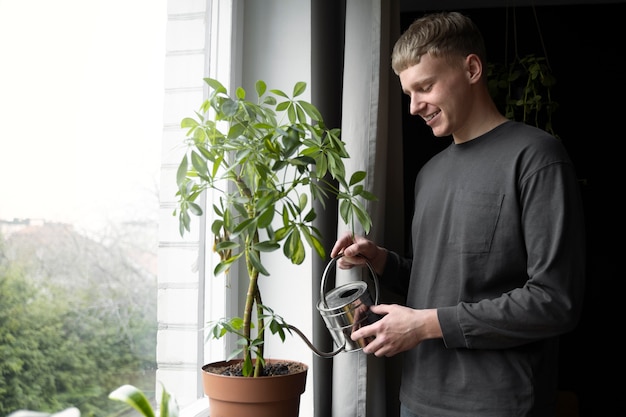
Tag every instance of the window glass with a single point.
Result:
(81, 104)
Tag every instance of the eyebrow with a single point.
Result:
(420, 83)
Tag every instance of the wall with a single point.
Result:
(277, 49)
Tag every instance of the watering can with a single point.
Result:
(345, 309)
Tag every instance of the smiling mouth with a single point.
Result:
(431, 116)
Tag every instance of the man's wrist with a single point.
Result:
(379, 262)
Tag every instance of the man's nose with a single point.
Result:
(416, 106)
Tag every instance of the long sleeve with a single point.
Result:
(498, 250)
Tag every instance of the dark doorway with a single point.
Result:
(585, 48)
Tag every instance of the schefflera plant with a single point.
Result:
(266, 160)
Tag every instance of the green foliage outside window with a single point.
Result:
(76, 321)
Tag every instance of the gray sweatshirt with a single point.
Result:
(498, 247)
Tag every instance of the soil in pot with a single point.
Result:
(271, 368)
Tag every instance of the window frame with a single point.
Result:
(201, 41)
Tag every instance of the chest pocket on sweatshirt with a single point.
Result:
(474, 219)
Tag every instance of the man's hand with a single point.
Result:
(356, 251)
(400, 329)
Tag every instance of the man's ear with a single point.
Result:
(474, 68)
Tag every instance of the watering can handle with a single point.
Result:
(330, 265)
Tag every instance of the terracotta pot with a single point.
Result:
(237, 396)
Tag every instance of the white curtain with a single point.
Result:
(363, 385)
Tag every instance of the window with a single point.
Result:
(91, 108)
(81, 121)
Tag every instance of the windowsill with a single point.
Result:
(199, 408)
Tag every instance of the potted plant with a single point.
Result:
(267, 160)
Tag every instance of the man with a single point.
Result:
(497, 268)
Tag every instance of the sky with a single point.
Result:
(81, 109)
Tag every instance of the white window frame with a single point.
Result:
(200, 41)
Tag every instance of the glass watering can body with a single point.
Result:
(345, 309)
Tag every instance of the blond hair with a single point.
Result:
(447, 34)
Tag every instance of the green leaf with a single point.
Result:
(226, 245)
(224, 266)
(281, 233)
(310, 216)
(240, 93)
(291, 114)
(368, 196)
(277, 328)
(199, 163)
(256, 263)
(236, 130)
(134, 397)
(363, 218)
(229, 107)
(243, 226)
(235, 323)
(291, 142)
(279, 93)
(299, 88)
(266, 201)
(304, 198)
(300, 115)
(311, 110)
(314, 242)
(266, 246)
(283, 106)
(181, 172)
(345, 211)
(285, 215)
(188, 122)
(358, 176)
(215, 85)
(168, 406)
(269, 100)
(260, 87)
(184, 222)
(195, 209)
(247, 366)
(294, 249)
(217, 224)
(266, 217)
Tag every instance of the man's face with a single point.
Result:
(439, 93)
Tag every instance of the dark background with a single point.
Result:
(585, 48)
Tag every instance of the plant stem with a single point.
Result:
(253, 274)
(258, 367)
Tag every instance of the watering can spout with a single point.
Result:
(344, 310)
(313, 348)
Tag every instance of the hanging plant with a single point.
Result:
(522, 88)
